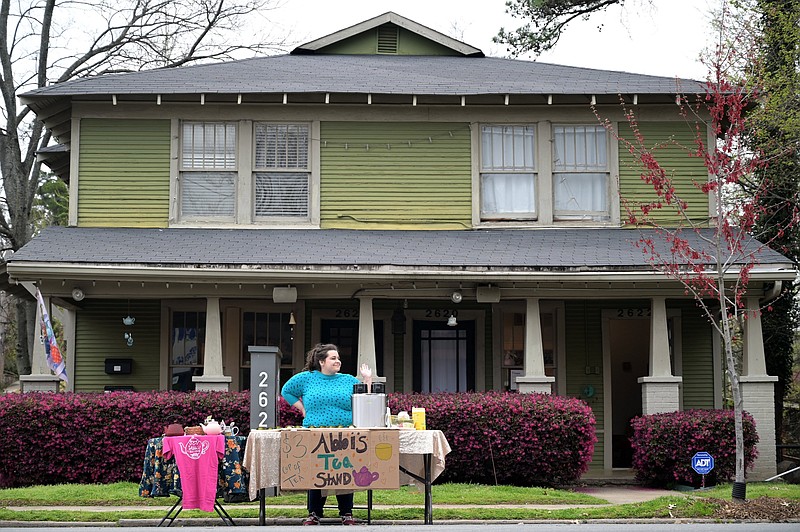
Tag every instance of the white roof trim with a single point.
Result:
(397, 20)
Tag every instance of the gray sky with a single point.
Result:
(658, 37)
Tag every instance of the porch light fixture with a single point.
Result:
(488, 294)
(456, 297)
(284, 294)
(77, 294)
(452, 321)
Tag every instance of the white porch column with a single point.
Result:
(366, 339)
(534, 380)
(212, 379)
(41, 378)
(67, 318)
(660, 389)
(758, 392)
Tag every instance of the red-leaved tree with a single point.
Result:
(712, 259)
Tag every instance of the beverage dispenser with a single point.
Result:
(369, 409)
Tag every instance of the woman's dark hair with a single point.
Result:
(317, 354)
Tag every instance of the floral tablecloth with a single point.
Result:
(161, 478)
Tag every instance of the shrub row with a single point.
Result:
(100, 438)
(664, 444)
(509, 438)
(89, 438)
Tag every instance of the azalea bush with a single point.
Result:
(88, 438)
(509, 438)
(93, 438)
(663, 446)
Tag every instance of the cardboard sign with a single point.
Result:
(347, 459)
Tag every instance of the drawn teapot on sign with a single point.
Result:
(365, 477)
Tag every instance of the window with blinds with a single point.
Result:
(208, 170)
(281, 170)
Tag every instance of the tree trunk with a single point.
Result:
(23, 343)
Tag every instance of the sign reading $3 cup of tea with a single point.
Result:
(348, 459)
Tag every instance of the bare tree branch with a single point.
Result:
(38, 45)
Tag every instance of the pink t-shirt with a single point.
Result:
(197, 458)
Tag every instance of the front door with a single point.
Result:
(444, 356)
(344, 335)
(629, 342)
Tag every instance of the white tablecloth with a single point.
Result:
(262, 456)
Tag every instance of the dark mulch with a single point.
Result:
(762, 508)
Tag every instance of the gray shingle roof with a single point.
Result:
(376, 74)
(530, 250)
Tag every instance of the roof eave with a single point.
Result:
(24, 271)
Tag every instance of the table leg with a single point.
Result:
(428, 500)
(426, 480)
(369, 507)
(262, 512)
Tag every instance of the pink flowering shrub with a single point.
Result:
(663, 446)
(508, 438)
(99, 438)
(91, 438)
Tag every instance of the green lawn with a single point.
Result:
(477, 501)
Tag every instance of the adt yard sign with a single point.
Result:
(703, 463)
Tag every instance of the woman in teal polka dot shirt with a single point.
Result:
(322, 395)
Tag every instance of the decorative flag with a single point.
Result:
(51, 350)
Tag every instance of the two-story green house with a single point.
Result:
(453, 220)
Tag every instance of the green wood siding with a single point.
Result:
(99, 334)
(408, 43)
(377, 175)
(124, 173)
(584, 347)
(698, 361)
(672, 143)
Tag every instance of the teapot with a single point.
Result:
(211, 426)
(229, 430)
(365, 477)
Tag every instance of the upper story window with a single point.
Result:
(580, 173)
(508, 172)
(281, 170)
(208, 170)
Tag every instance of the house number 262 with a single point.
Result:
(633, 312)
(263, 398)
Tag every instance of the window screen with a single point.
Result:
(580, 173)
(508, 172)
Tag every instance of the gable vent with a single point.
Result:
(387, 39)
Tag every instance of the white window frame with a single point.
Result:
(508, 170)
(185, 170)
(605, 216)
(308, 169)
